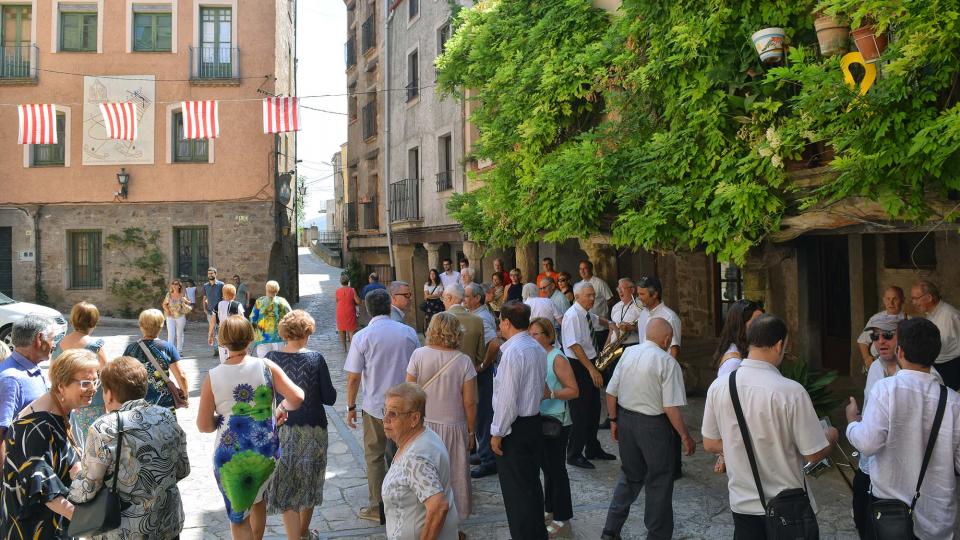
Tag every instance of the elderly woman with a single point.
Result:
(450, 382)
(159, 358)
(266, 315)
(417, 494)
(561, 387)
(303, 438)
(153, 456)
(237, 401)
(84, 318)
(42, 453)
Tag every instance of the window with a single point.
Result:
(52, 155)
(413, 9)
(413, 163)
(78, 31)
(84, 255)
(152, 32)
(216, 43)
(909, 250)
(370, 118)
(729, 286)
(187, 150)
(443, 35)
(191, 249)
(445, 163)
(352, 105)
(15, 41)
(413, 75)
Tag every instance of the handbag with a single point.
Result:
(892, 519)
(789, 515)
(179, 398)
(550, 427)
(102, 514)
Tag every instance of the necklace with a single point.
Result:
(231, 356)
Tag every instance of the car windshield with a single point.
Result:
(4, 299)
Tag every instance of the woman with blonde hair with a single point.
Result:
(159, 358)
(267, 313)
(176, 305)
(449, 380)
(42, 452)
(84, 318)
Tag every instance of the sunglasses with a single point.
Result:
(874, 336)
(88, 385)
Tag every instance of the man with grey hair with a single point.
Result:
(21, 381)
(485, 459)
(925, 297)
(471, 343)
(466, 276)
(548, 288)
(378, 357)
(400, 298)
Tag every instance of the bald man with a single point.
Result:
(646, 392)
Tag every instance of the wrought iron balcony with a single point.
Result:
(214, 63)
(370, 120)
(350, 51)
(405, 200)
(444, 180)
(18, 61)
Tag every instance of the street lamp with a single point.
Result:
(123, 178)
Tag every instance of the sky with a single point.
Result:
(321, 33)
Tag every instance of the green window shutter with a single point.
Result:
(143, 32)
(164, 22)
(69, 32)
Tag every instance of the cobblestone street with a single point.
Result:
(700, 497)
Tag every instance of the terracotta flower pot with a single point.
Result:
(769, 44)
(870, 44)
(832, 33)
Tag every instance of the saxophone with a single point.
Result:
(611, 353)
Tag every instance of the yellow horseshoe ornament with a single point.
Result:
(869, 75)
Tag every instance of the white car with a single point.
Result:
(12, 311)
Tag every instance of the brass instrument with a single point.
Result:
(611, 353)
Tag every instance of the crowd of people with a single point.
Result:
(513, 379)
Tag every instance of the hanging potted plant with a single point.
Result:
(832, 34)
(870, 43)
(769, 43)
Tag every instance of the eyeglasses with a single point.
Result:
(393, 415)
(535, 334)
(918, 297)
(405, 294)
(88, 385)
(885, 335)
(545, 287)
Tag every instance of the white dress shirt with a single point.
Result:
(731, 363)
(449, 278)
(560, 301)
(895, 428)
(665, 313)
(647, 379)
(947, 319)
(380, 353)
(544, 307)
(518, 383)
(627, 313)
(783, 428)
(603, 296)
(575, 330)
(489, 324)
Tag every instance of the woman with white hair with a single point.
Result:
(267, 313)
(540, 307)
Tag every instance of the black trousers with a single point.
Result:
(646, 457)
(861, 503)
(585, 413)
(950, 371)
(556, 483)
(519, 472)
(749, 527)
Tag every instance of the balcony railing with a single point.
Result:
(18, 61)
(370, 120)
(351, 216)
(214, 62)
(350, 51)
(413, 90)
(368, 211)
(405, 199)
(444, 180)
(330, 238)
(368, 34)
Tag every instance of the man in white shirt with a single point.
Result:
(650, 294)
(925, 297)
(516, 436)
(484, 459)
(778, 411)
(895, 429)
(646, 392)
(449, 276)
(601, 305)
(579, 327)
(400, 298)
(892, 305)
(379, 354)
(624, 314)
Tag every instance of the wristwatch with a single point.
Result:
(282, 408)
(612, 420)
(351, 408)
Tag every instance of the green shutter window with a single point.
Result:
(78, 32)
(52, 155)
(152, 32)
(187, 150)
(85, 264)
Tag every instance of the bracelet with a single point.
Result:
(612, 420)
(352, 408)
(282, 408)
(552, 395)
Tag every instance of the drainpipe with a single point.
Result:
(39, 295)
(388, 24)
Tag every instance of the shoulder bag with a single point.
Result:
(788, 516)
(892, 519)
(102, 514)
(179, 397)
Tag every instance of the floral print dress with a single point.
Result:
(266, 316)
(246, 450)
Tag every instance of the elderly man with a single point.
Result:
(624, 314)
(485, 460)
(378, 357)
(400, 298)
(373, 283)
(578, 328)
(601, 306)
(548, 272)
(645, 395)
(893, 306)
(466, 276)
(896, 427)
(925, 297)
(778, 411)
(449, 276)
(471, 343)
(516, 436)
(548, 289)
(498, 268)
(21, 380)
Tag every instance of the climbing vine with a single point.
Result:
(662, 126)
(138, 254)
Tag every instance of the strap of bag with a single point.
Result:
(931, 442)
(745, 433)
(153, 360)
(116, 467)
(437, 374)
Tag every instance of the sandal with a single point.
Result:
(559, 530)
(547, 518)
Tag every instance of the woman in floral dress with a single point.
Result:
(236, 401)
(266, 315)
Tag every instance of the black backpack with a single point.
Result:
(233, 308)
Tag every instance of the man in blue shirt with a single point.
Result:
(21, 381)
(212, 295)
(372, 285)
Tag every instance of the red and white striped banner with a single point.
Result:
(281, 114)
(201, 119)
(120, 120)
(38, 124)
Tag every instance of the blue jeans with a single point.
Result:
(485, 417)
